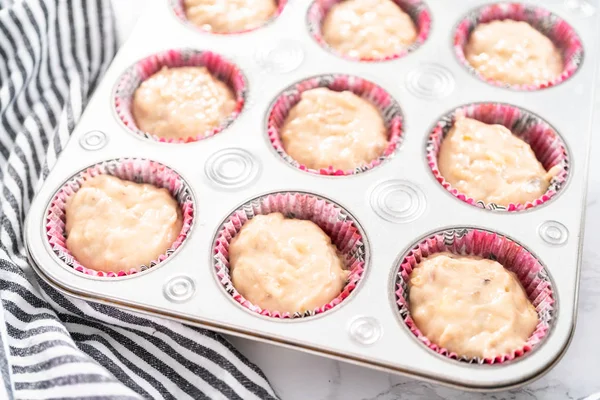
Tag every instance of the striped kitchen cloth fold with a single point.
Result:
(52, 55)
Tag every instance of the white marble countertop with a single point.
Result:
(299, 376)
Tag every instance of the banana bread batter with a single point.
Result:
(114, 225)
(328, 128)
(181, 103)
(489, 163)
(471, 306)
(368, 28)
(513, 52)
(285, 265)
(228, 16)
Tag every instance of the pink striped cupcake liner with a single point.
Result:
(416, 9)
(382, 100)
(178, 8)
(515, 258)
(332, 219)
(135, 170)
(218, 66)
(546, 143)
(556, 29)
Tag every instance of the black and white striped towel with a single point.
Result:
(52, 55)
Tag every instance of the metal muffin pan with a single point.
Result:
(395, 204)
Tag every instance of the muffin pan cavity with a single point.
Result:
(388, 108)
(417, 11)
(560, 32)
(487, 245)
(128, 169)
(338, 224)
(218, 66)
(547, 145)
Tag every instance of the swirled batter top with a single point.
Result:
(368, 28)
(513, 52)
(489, 163)
(114, 225)
(285, 265)
(181, 103)
(228, 16)
(473, 307)
(339, 129)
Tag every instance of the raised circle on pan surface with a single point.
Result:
(365, 330)
(281, 58)
(93, 140)
(430, 81)
(553, 232)
(179, 289)
(581, 7)
(231, 168)
(398, 201)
